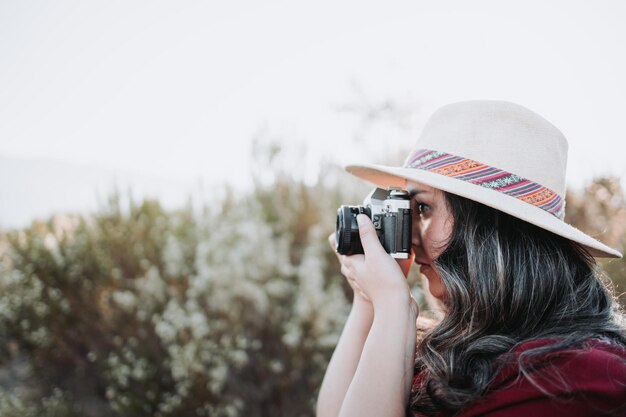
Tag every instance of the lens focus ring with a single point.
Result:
(346, 228)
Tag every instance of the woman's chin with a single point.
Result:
(435, 285)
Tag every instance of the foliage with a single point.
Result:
(600, 211)
(230, 310)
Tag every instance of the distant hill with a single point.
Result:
(37, 188)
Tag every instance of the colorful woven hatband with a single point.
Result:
(489, 177)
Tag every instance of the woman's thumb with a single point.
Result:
(367, 233)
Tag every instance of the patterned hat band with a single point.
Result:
(486, 176)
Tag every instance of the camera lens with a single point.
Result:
(347, 237)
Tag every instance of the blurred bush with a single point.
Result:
(133, 311)
(226, 311)
(600, 211)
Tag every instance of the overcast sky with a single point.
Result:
(177, 89)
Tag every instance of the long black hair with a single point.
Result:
(507, 282)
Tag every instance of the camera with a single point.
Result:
(391, 214)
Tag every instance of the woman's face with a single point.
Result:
(432, 227)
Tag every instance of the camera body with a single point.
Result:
(391, 214)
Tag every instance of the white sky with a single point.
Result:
(176, 89)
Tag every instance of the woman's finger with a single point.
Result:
(365, 297)
(345, 271)
(369, 238)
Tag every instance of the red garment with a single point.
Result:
(587, 381)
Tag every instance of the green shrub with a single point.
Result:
(230, 310)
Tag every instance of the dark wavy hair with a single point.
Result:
(507, 282)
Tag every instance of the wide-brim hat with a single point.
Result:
(497, 153)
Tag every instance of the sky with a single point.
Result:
(174, 91)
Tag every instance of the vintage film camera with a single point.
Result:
(391, 214)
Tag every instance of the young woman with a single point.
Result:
(529, 328)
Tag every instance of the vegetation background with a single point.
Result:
(228, 310)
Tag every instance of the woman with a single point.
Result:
(529, 328)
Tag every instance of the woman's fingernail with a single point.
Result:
(359, 219)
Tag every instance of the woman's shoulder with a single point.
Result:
(587, 352)
(597, 357)
(585, 380)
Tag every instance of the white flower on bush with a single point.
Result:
(125, 299)
(173, 257)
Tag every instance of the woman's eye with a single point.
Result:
(421, 207)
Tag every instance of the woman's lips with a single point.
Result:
(420, 262)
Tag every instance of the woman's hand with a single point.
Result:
(388, 355)
(375, 276)
(359, 296)
(378, 342)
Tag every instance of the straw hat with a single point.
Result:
(497, 153)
